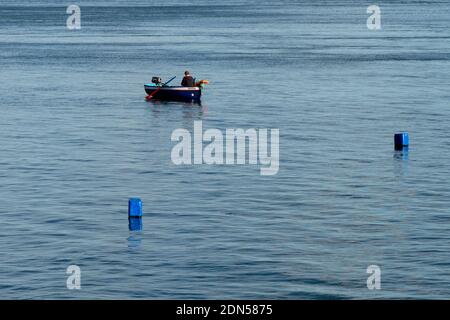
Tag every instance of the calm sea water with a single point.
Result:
(77, 140)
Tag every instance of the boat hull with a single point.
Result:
(174, 93)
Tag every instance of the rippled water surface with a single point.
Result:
(77, 139)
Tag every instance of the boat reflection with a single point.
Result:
(194, 109)
(401, 159)
(401, 154)
(135, 227)
(134, 240)
(193, 103)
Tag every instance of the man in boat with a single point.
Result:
(188, 81)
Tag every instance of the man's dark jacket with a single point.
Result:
(188, 81)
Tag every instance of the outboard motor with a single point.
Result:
(201, 83)
(156, 80)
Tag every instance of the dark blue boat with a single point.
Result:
(173, 93)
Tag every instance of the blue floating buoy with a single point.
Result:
(135, 224)
(401, 140)
(134, 208)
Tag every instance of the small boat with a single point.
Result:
(161, 91)
(175, 93)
